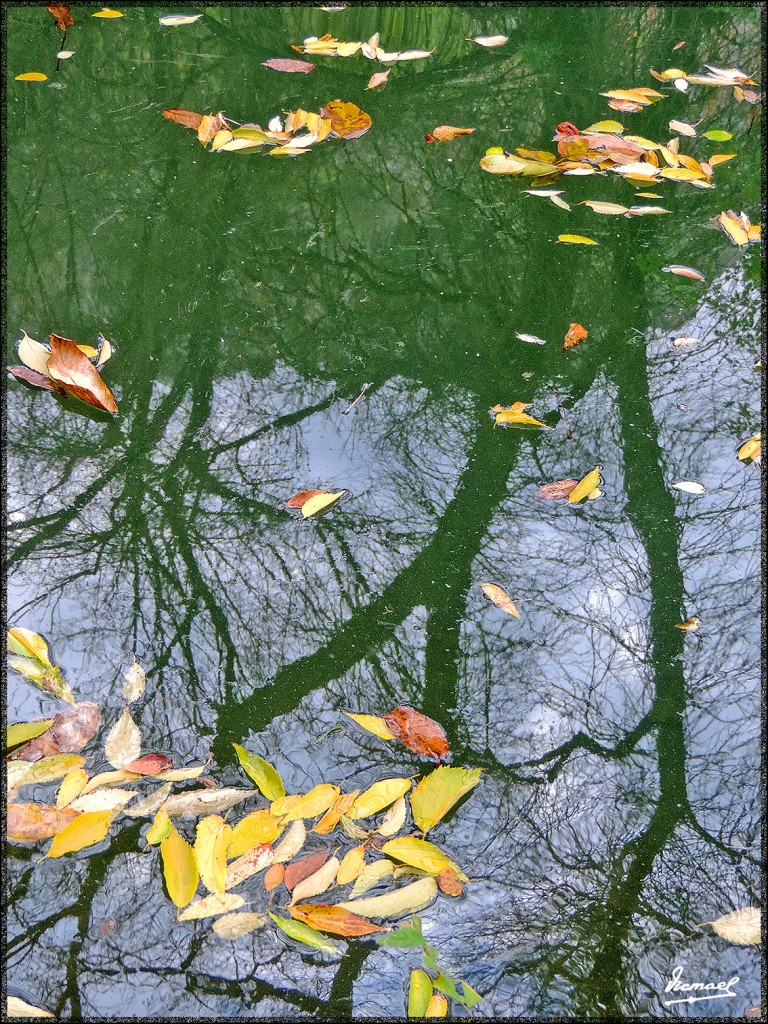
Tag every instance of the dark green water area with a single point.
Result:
(248, 300)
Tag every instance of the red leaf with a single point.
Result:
(303, 496)
(419, 733)
(149, 764)
(77, 374)
(39, 380)
(567, 128)
(63, 16)
(298, 870)
(293, 67)
(186, 117)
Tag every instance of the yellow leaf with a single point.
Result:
(373, 724)
(437, 792)
(586, 486)
(751, 449)
(32, 76)
(500, 598)
(605, 127)
(378, 796)
(419, 993)
(420, 854)
(681, 174)
(33, 354)
(107, 12)
(253, 830)
(720, 158)
(179, 868)
(410, 899)
(577, 240)
(515, 416)
(740, 926)
(319, 502)
(53, 767)
(315, 802)
(18, 1008)
(371, 875)
(71, 786)
(438, 1006)
(599, 207)
(648, 195)
(733, 227)
(394, 819)
(210, 906)
(331, 818)
(351, 865)
(211, 843)
(88, 828)
(28, 645)
(160, 828)
(642, 142)
(21, 732)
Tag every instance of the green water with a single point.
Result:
(248, 300)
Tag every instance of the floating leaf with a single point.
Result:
(274, 877)
(737, 228)
(606, 127)
(353, 831)
(420, 854)
(47, 769)
(557, 490)
(315, 802)
(151, 804)
(409, 899)
(87, 829)
(196, 802)
(681, 271)
(717, 135)
(374, 724)
(106, 799)
(251, 862)
(489, 41)
(689, 486)
(318, 882)
(586, 486)
(378, 796)
(419, 993)
(496, 161)
(186, 117)
(417, 732)
(690, 625)
(211, 844)
(574, 336)
(682, 342)
(599, 207)
(234, 926)
(740, 926)
(500, 598)
(720, 158)
(320, 502)
(179, 19)
(326, 917)
(298, 870)
(77, 374)
(71, 787)
(437, 792)
(445, 132)
(261, 772)
(515, 415)
(371, 875)
(33, 354)
(32, 76)
(379, 78)
(210, 906)
(449, 882)
(291, 842)
(107, 12)
(29, 645)
(292, 67)
(152, 764)
(16, 1007)
(531, 339)
(340, 806)
(751, 450)
(179, 868)
(255, 829)
(644, 211)
(160, 828)
(576, 240)
(134, 683)
(29, 823)
(348, 121)
(123, 742)
(22, 732)
(109, 779)
(351, 865)
(303, 933)
(63, 16)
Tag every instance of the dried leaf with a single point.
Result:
(500, 598)
(574, 336)
(326, 917)
(48, 769)
(689, 486)
(394, 819)
(682, 342)
(196, 802)
(576, 240)
(274, 877)
(234, 926)
(351, 865)
(29, 823)
(378, 796)
(348, 121)
(690, 625)
(291, 843)
(609, 208)
(63, 16)
(261, 772)
(751, 450)
(123, 742)
(379, 78)
(29, 645)
(496, 161)
(134, 683)
(211, 844)
(417, 732)
(303, 933)
(301, 67)
(409, 899)
(179, 19)
(106, 799)
(87, 829)
(489, 41)
(109, 779)
(720, 158)
(36, 379)
(586, 486)
(179, 868)
(210, 906)
(418, 853)
(255, 829)
(319, 502)
(318, 882)
(437, 792)
(33, 354)
(531, 339)
(16, 1007)
(315, 802)
(681, 271)
(371, 875)
(557, 490)
(298, 870)
(77, 374)
(353, 831)
(734, 227)
(514, 415)
(740, 926)
(186, 117)
(374, 724)
(151, 804)
(22, 732)
(210, 126)
(340, 806)
(445, 132)
(449, 882)
(251, 862)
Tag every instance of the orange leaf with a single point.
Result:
(77, 374)
(348, 121)
(576, 334)
(303, 496)
(419, 733)
(558, 489)
(445, 132)
(449, 882)
(149, 764)
(29, 823)
(500, 598)
(208, 127)
(63, 16)
(676, 268)
(329, 918)
(378, 79)
(186, 117)
(273, 877)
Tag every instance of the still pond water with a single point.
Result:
(248, 300)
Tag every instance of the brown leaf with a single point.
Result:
(186, 117)
(500, 598)
(628, 106)
(419, 733)
(575, 335)
(445, 132)
(39, 380)
(71, 729)
(29, 823)
(449, 882)
(208, 128)
(348, 121)
(298, 870)
(681, 271)
(303, 496)
(77, 374)
(149, 764)
(329, 918)
(555, 491)
(295, 67)
(63, 16)
(677, 46)
(273, 877)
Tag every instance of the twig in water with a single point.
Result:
(362, 392)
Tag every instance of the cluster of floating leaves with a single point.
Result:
(67, 368)
(356, 847)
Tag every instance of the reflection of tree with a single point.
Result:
(162, 532)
